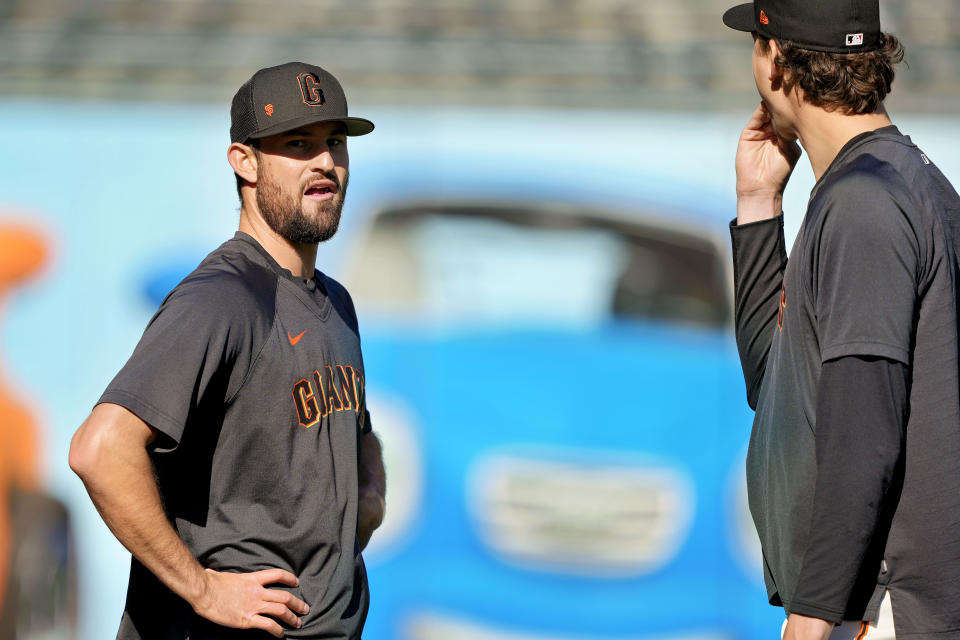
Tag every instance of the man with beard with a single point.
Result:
(232, 454)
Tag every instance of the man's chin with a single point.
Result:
(784, 133)
(786, 136)
(313, 236)
(319, 232)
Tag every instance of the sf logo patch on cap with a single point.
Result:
(310, 89)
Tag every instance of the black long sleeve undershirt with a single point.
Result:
(759, 260)
(862, 408)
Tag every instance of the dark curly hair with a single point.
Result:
(853, 83)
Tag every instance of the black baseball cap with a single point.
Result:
(835, 26)
(291, 95)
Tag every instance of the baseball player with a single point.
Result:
(849, 347)
(232, 454)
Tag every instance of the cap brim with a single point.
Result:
(355, 126)
(741, 17)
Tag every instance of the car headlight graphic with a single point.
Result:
(588, 518)
(430, 626)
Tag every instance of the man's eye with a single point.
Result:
(297, 144)
(335, 142)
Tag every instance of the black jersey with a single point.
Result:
(255, 380)
(874, 272)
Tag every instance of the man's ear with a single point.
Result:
(775, 73)
(243, 159)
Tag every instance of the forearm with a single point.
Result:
(759, 260)
(119, 477)
(372, 488)
(800, 627)
(861, 411)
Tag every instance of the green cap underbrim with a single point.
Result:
(355, 126)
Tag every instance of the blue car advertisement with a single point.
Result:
(544, 301)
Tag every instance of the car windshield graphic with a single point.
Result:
(482, 266)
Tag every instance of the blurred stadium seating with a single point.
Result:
(569, 53)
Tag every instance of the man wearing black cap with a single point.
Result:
(232, 454)
(849, 348)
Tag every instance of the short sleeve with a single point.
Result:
(194, 354)
(865, 268)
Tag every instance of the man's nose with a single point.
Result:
(323, 161)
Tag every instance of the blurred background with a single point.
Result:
(535, 237)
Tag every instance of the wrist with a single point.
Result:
(198, 589)
(753, 207)
(801, 627)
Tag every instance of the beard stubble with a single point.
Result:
(283, 211)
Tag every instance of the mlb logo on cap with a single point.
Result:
(832, 26)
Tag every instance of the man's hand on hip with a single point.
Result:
(805, 628)
(109, 454)
(764, 163)
(242, 601)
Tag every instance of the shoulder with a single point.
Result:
(864, 213)
(868, 194)
(228, 285)
(868, 179)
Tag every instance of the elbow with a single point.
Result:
(80, 453)
(86, 451)
(111, 436)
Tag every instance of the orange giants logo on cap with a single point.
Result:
(269, 110)
(763, 18)
(310, 89)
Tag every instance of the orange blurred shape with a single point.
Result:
(22, 252)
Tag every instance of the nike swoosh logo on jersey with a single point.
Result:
(296, 339)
